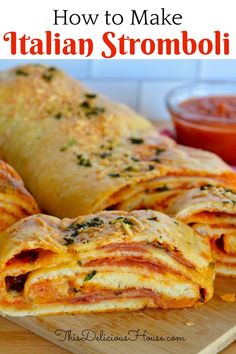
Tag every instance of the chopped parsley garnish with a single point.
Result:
(58, 116)
(129, 168)
(47, 77)
(205, 187)
(70, 143)
(150, 167)
(132, 169)
(89, 110)
(229, 202)
(162, 188)
(114, 174)
(159, 151)
(76, 227)
(105, 154)
(230, 191)
(95, 111)
(156, 159)
(21, 72)
(52, 69)
(137, 141)
(123, 220)
(90, 95)
(89, 276)
(85, 104)
(126, 221)
(68, 240)
(83, 161)
(135, 159)
(154, 218)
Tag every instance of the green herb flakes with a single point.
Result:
(71, 142)
(49, 74)
(90, 110)
(123, 220)
(47, 77)
(137, 141)
(95, 111)
(154, 218)
(21, 72)
(105, 154)
(135, 159)
(89, 276)
(232, 202)
(90, 95)
(52, 69)
(163, 188)
(58, 116)
(68, 240)
(132, 168)
(114, 174)
(85, 104)
(151, 167)
(229, 191)
(159, 151)
(77, 227)
(156, 159)
(83, 161)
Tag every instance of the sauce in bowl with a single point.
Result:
(212, 106)
(207, 122)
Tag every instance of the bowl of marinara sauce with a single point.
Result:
(204, 117)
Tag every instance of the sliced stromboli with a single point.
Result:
(15, 201)
(110, 261)
(160, 193)
(68, 143)
(211, 211)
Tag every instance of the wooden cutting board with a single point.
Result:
(213, 327)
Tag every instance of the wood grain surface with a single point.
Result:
(15, 339)
(213, 328)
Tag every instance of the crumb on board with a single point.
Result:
(189, 323)
(228, 297)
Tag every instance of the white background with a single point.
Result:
(200, 19)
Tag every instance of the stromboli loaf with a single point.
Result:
(79, 153)
(15, 201)
(211, 211)
(110, 261)
(44, 119)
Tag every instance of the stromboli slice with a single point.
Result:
(15, 201)
(211, 211)
(160, 193)
(110, 261)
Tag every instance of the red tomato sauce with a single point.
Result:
(208, 123)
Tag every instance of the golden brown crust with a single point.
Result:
(67, 143)
(15, 201)
(211, 211)
(102, 262)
